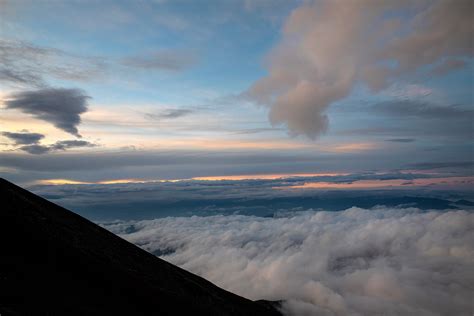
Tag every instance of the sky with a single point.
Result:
(95, 91)
(315, 152)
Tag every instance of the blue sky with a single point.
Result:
(315, 152)
(258, 87)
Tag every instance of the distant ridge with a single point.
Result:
(55, 262)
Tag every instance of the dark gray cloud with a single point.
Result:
(62, 145)
(401, 140)
(161, 60)
(35, 149)
(169, 114)
(23, 138)
(59, 106)
(66, 144)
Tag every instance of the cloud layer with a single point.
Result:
(58, 106)
(37, 149)
(330, 46)
(354, 262)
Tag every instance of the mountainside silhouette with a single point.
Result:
(56, 262)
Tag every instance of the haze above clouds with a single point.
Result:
(257, 195)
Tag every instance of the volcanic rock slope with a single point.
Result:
(56, 262)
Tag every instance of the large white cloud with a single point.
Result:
(330, 46)
(354, 262)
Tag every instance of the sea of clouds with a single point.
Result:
(382, 261)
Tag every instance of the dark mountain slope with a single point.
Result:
(55, 262)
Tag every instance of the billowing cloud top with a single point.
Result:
(59, 106)
(353, 262)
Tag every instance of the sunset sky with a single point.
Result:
(94, 91)
(317, 154)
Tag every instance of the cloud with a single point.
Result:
(443, 165)
(23, 138)
(177, 160)
(62, 145)
(161, 60)
(169, 114)
(66, 144)
(148, 199)
(401, 140)
(424, 110)
(27, 65)
(405, 118)
(353, 262)
(256, 130)
(447, 66)
(179, 164)
(23, 64)
(21, 77)
(59, 106)
(35, 149)
(327, 47)
(20, 63)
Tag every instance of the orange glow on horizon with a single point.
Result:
(358, 184)
(352, 147)
(60, 182)
(69, 181)
(370, 184)
(209, 178)
(268, 176)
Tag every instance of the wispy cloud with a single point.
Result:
(168, 60)
(169, 114)
(26, 65)
(424, 110)
(400, 140)
(448, 65)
